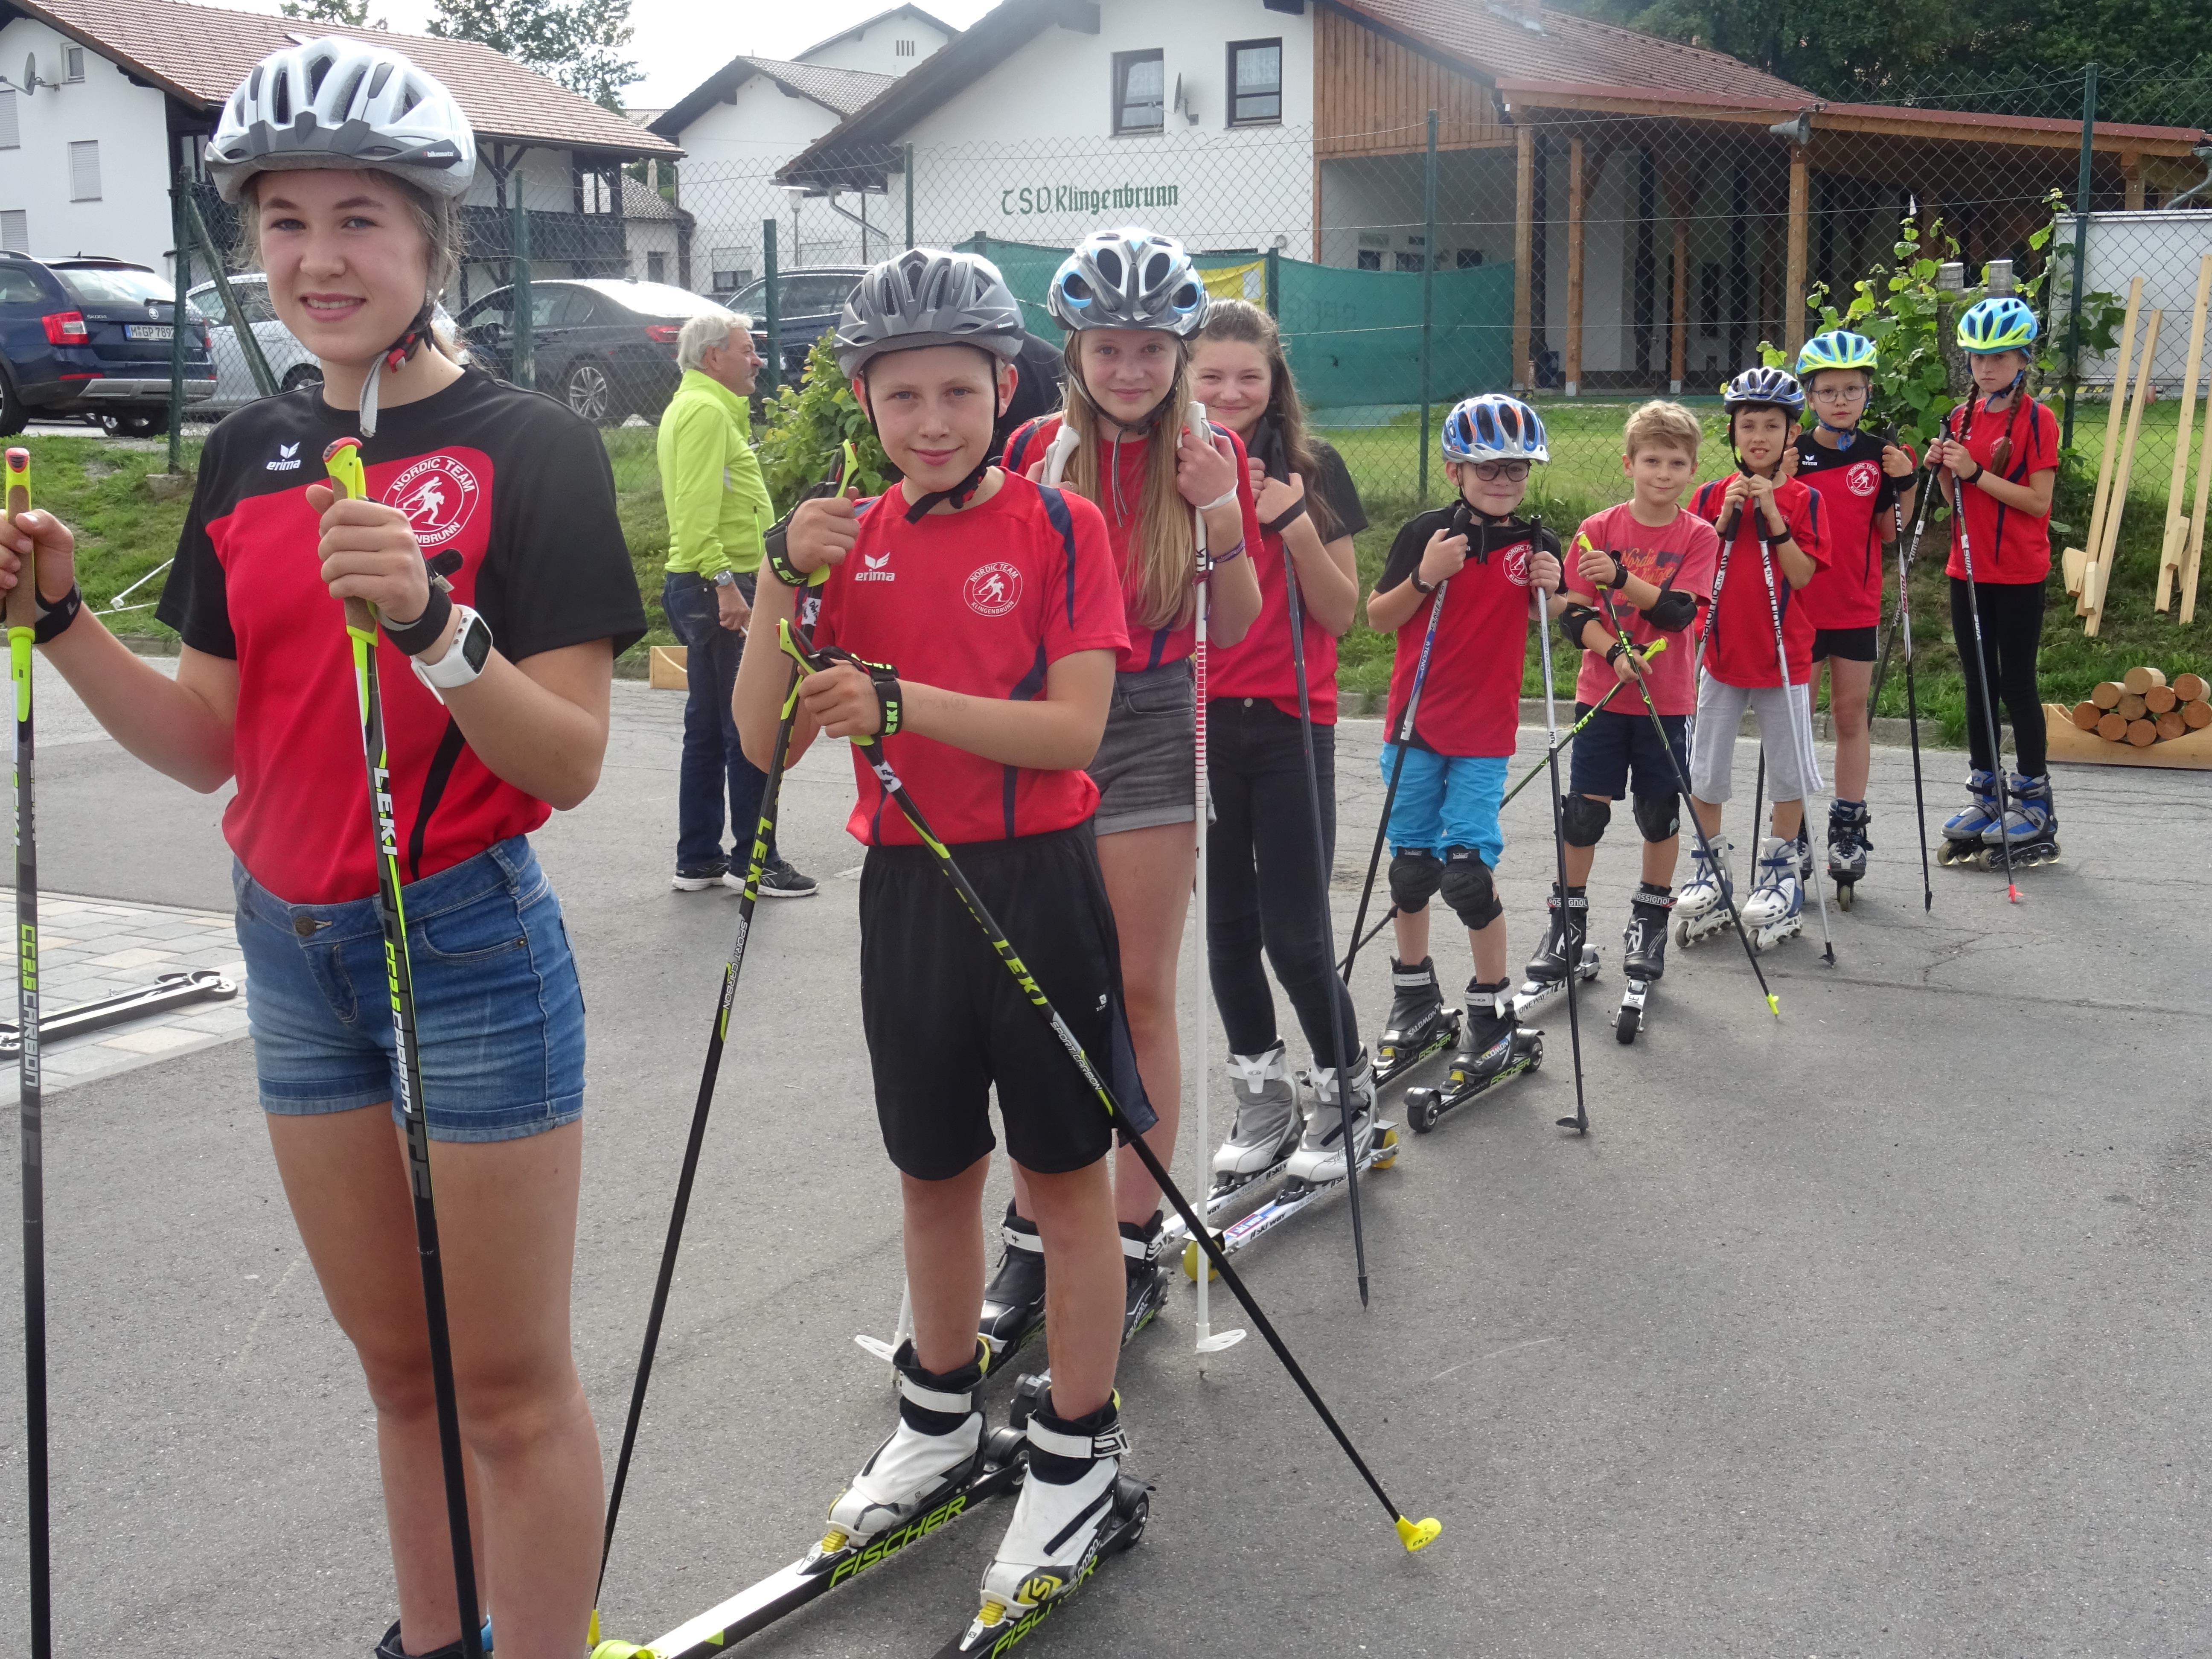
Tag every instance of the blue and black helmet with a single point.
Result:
(1764, 388)
(1494, 428)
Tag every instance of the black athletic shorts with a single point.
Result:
(945, 1021)
(1849, 644)
(1616, 744)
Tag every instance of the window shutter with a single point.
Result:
(10, 137)
(84, 170)
(14, 230)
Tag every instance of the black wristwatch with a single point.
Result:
(1422, 587)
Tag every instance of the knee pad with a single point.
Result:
(1658, 817)
(1413, 879)
(1468, 888)
(1583, 820)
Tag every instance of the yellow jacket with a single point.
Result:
(710, 480)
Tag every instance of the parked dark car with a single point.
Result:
(606, 346)
(808, 303)
(89, 336)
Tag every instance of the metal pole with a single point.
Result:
(179, 182)
(256, 364)
(2080, 253)
(526, 332)
(1274, 283)
(1428, 290)
(910, 196)
(771, 312)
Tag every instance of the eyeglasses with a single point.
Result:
(1492, 472)
(1839, 394)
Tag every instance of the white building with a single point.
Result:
(752, 115)
(127, 91)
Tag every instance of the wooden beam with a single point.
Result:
(2131, 178)
(1524, 250)
(1681, 195)
(2173, 550)
(1792, 281)
(1573, 364)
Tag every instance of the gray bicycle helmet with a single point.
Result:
(1128, 278)
(337, 102)
(924, 297)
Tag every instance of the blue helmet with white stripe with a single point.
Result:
(1494, 428)
(1764, 388)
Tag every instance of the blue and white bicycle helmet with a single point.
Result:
(1764, 388)
(1128, 278)
(1838, 348)
(1493, 427)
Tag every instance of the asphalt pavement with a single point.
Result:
(1876, 1329)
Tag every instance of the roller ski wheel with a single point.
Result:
(1520, 1050)
(1642, 957)
(1419, 1024)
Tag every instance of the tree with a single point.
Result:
(576, 42)
(354, 14)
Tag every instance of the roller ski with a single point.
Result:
(1420, 1025)
(1317, 1166)
(939, 1465)
(1499, 1048)
(1776, 910)
(1702, 911)
(1076, 1509)
(1642, 957)
(1848, 842)
(1013, 1302)
(1965, 832)
(2030, 827)
(1566, 938)
(1267, 1130)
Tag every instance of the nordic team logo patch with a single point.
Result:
(993, 589)
(438, 495)
(1863, 478)
(1516, 564)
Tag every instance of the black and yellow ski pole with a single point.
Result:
(22, 619)
(343, 460)
(1413, 1535)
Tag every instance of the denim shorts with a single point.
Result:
(499, 1015)
(1445, 801)
(1147, 767)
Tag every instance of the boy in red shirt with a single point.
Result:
(1646, 562)
(987, 615)
(1998, 460)
(1864, 481)
(1444, 828)
(1771, 531)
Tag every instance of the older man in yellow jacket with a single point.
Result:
(718, 506)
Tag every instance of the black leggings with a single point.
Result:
(2012, 632)
(1264, 885)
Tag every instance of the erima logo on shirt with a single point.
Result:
(288, 458)
(874, 571)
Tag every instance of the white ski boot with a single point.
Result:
(1267, 1123)
(1074, 1505)
(1320, 1157)
(932, 1452)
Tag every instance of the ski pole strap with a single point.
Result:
(1296, 511)
(775, 552)
(813, 659)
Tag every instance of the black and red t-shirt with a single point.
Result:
(1471, 700)
(1121, 485)
(1259, 664)
(512, 482)
(2010, 546)
(982, 601)
(1858, 512)
(1740, 628)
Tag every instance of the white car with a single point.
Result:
(291, 363)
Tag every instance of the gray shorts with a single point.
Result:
(1147, 767)
(1785, 734)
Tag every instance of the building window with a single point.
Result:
(902, 49)
(1406, 262)
(14, 230)
(1470, 257)
(73, 64)
(1255, 82)
(656, 267)
(84, 170)
(10, 137)
(1140, 92)
(1370, 258)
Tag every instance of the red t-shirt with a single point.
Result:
(2010, 546)
(1740, 628)
(1148, 647)
(508, 480)
(1681, 555)
(1857, 512)
(1471, 700)
(981, 601)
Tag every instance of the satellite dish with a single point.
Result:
(31, 82)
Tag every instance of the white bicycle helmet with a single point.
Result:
(1128, 278)
(1492, 427)
(337, 102)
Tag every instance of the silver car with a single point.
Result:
(291, 363)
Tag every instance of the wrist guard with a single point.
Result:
(54, 619)
(422, 633)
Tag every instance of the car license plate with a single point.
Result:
(148, 331)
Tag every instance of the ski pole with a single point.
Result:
(1800, 737)
(1580, 1121)
(1982, 654)
(710, 1072)
(1413, 1535)
(1405, 742)
(342, 459)
(22, 619)
(1689, 804)
(1911, 698)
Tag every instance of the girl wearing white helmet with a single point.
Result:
(345, 161)
(1131, 302)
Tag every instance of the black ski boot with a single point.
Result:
(1147, 1285)
(1566, 938)
(1013, 1302)
(1498, 1046)
(1420, 1025)
(1642, 956)
(389, 1648)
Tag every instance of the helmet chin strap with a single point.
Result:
(1846, 435)
(390, 360)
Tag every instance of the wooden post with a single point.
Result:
(1793, 281)
(1573, 364)
(1524, 250)
(1681, 197)
(2131, 179)
(2100, 560)
(2191, 564)
(2177, 525)
(2111, 450)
